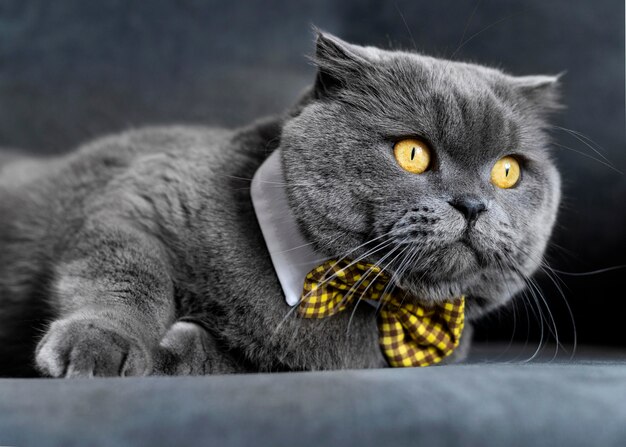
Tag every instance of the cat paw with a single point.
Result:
(184, 351)
(88, 348)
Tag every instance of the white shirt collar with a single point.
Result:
(292, 255)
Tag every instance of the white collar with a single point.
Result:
(292, 255)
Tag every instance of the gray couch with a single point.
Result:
(544, 403)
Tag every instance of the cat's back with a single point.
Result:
(54, 182)
(44, 198)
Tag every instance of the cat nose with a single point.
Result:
(470, 206)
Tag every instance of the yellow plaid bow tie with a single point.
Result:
(410, 335)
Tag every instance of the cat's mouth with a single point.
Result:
(466, 242)
(435, 266)
(450, 260)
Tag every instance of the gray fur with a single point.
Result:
(105, 249)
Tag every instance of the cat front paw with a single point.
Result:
(184, 351)
(88, 348)
(188, 349)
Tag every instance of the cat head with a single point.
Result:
(438, 171)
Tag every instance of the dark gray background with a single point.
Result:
(71, 70)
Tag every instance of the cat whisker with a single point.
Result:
(583, 139)
(367, 242)
(303, 245)
(526, 312)
(407, 261)
(567, 305)
(246, 179)
(377, 264)
(538, 297)
(476, 34)
(539, 318)
(468, 23)
(378, 247)
(549, 272)
(269, 182)
(393, 280)
(563, 249)
(535, 309)
(414, 251)
(405, 25)
(592, 272)
(371, 269)
(374, 280)
(425, 263)
(608, 165)
(551, 323)
(514, 306)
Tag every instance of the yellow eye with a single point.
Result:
(412, 155)
(506, 172)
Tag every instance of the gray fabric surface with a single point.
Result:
(469, 405)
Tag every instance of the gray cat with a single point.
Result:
(140, 253)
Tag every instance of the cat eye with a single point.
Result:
(412, 155)
(506, 172)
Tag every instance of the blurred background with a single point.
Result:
(72, 70)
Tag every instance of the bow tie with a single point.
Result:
(409, 334)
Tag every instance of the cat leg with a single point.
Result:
(188, 350)
(113, 294)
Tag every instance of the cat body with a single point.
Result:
(169, 209)
(141, 253)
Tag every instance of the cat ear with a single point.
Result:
(338, 62)
(541, 90)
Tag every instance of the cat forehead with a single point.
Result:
(461, 107)
(452, 104)
(425, 64)
(416, 77)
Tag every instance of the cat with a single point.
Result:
(140, 253)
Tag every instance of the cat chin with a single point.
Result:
(450, 263)
(484, 288)
(451, 272)
(429, 293)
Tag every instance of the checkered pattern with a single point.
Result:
(410, 335)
